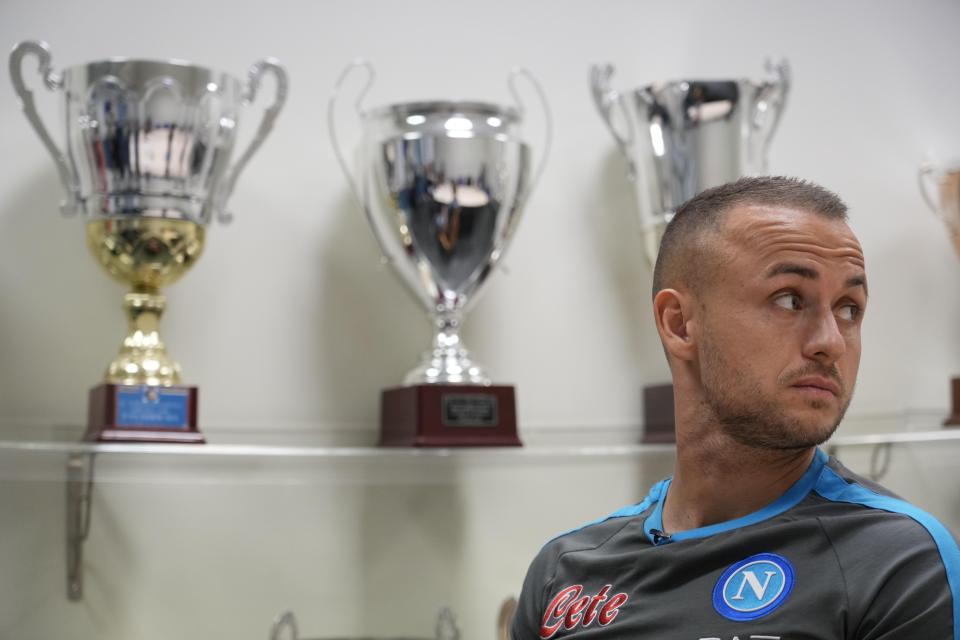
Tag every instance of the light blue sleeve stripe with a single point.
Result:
(832, 487)
(791, 498)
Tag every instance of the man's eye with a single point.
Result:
(850, 312)
(789, 301)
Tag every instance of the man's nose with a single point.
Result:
(825, 342)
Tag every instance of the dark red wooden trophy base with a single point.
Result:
(448, 415)
(108, 421)
(954, 419)
(658, 414)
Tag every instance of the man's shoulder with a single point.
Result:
(863, 516)
(600, 532)
(900, 565)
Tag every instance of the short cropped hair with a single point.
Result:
(683, 246)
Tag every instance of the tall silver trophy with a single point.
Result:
(443, 185)
(145, 159)
(682, 137)
(940, 187)
(678, 139)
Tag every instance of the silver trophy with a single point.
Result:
(443, 185)
(144, 137)
(682, 137)
(145, 157)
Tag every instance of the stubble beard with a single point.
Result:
(752, 419)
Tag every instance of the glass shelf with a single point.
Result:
(280, 527)
(519, 454)
(38, 460)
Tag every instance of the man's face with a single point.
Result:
(780, 332)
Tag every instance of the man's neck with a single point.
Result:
(717, 480)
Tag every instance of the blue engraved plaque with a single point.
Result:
(153, 407)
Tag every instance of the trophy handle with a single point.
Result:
(515, 73)
(254, 76)
(606, 98)
(285, 619)
(772, 100)
(926, 177)
(335, 142)
(53, 82)
(331, 105)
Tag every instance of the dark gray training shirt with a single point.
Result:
(834, 558)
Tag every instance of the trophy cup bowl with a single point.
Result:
(147, 163)
(443, 185)
(682, 137)
(940, 188)
(678, 139)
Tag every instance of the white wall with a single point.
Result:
(290, 328)
(288, 322)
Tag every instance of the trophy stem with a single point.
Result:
(448, 362)
(446, 331)
(143, 357)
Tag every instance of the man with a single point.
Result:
(759, 295)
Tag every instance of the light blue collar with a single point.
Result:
(792, 497)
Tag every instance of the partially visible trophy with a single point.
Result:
(678, 139)
(443, 185)
(146, 163)
(508, 609)
(285, 627)
(941, 189)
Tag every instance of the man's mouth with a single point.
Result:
(817, 385)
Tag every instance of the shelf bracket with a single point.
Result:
(79, 499)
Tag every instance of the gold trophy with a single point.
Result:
(147, 165)
(941, 189)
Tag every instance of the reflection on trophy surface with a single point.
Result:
(443, 185)
(941, 189)
(146, 161)
(682, 137)
(678, 139)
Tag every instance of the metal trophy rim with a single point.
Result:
(779, 67)
(659, 86)
(434, 107)
(173, 62)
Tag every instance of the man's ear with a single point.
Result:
(673, 312)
